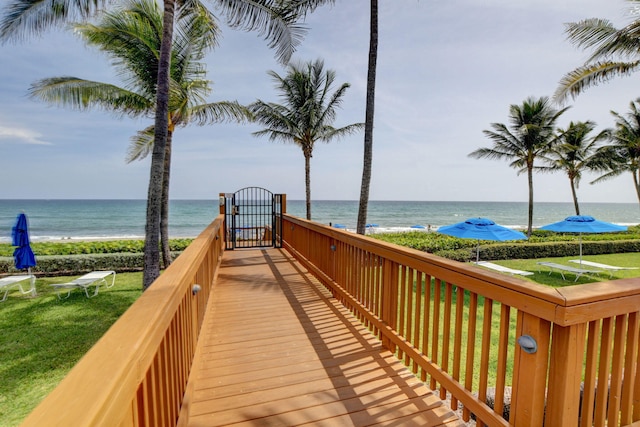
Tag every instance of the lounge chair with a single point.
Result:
(95, 278)
(10, 282)
(610, 268)
(562, 268)
(503, 269)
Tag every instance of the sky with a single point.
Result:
(446, 71)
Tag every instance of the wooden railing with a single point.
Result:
(137, 373)
(473, 334)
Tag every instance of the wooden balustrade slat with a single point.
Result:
(435, 330)
(604, 364)
(590, 374)
(402, 308)
(426, 300)
(446, 334)
(457, 346)
(503, 348)
(471, 345)
(630, 369)
(418, 321)
(484, 353)
(615, 388)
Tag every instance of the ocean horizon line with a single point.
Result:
(82, 219)
(215, 200)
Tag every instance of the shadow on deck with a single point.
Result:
(277, 349)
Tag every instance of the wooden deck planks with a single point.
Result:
(278, 350)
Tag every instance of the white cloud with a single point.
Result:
(22, 136)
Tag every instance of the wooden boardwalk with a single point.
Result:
(278, 350)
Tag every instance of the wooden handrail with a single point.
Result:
(585, 335)
(565, 306)
(137, 373)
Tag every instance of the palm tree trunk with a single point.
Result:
(164, 212)
(154, 197)
(307, 182)
(575, 196)
(636, 181)
(530, 221)
(367, 164)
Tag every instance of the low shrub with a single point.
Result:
(69, 265)
(92, 247)
(542, 244)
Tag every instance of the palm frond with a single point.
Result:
(24, 17)
(141, 145)
(590, 32)
(83, 94)
(576, 81)
(274, 20)
(220, 112)
(607, 176)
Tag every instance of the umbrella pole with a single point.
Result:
(580, 240)
(478, 252)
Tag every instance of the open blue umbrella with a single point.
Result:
(582, 224)
(23, 255)
(480, 229)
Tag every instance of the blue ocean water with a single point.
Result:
(107, 219)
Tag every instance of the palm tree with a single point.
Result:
(307, 114)
(275, 20)
(615, 52)
(530, 134)
(574, 153)
(367, 164)
(131, 36)
(623, 153)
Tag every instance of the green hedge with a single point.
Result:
(498, 251)
(69, 265)
(92, 247)
(541, 244)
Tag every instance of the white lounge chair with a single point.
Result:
(95, 278)
(562, 268)
(503, 269)
(10, 282)
(607, 267)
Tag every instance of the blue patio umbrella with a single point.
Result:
(480, 229)
(582, 224)
(23, 255)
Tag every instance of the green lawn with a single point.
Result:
(541, 274)
(42, 338)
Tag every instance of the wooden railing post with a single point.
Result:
(565, 375)
(530, 372)
(389, 300)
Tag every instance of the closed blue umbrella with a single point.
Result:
(582, 224)
(23, 255)
(481, 229)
